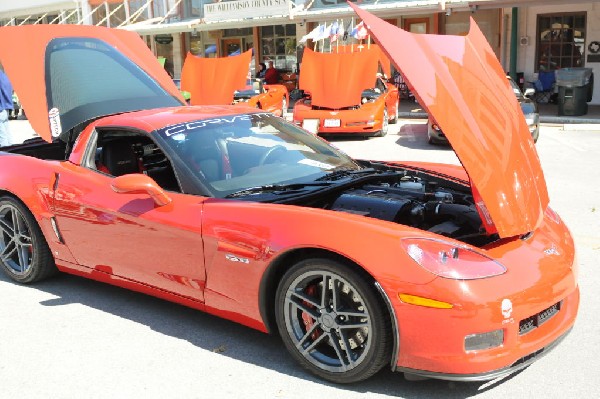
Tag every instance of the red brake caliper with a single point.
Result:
(308, 320)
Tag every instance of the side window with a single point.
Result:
(118, 153)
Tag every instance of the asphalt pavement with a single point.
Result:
(69, 337)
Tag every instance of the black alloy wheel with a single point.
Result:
(332, 321)
(24, 253)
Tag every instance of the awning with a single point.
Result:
(153, 26)
(381, 9)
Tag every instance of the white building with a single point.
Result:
(550, 34)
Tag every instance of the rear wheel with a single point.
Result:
(24, 253)
(332, 322)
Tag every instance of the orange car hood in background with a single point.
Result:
(22, 53)
(463, 87)
(337, 80)
(213, 80)
(374, 49)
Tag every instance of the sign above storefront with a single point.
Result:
(243, 9)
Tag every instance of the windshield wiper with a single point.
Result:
(276, 189)
(345, 172)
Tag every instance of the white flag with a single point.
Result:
(310, 35)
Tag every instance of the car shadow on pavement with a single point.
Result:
(227, 338)
(345, 137)
(414, 135)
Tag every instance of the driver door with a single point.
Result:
(128, 235)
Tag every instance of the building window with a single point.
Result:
(115, 17)
(560, 41)
(237, 32)
(194, 8)
(278, 43)
(135, 14)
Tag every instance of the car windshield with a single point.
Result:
(251, 89)
(237, 152)
(376, 90)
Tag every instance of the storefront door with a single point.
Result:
(417, 25)
(231, 47)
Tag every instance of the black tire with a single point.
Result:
(324, 325)
(536, 134)
(24, 253)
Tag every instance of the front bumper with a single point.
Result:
(541, 274)
(520, 364)
(366, 120)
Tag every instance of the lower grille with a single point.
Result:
(533, 322)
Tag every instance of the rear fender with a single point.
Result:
(32, 181)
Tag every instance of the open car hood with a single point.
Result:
(337, 79)
(213, 80)
(463, 87)
(66, 75)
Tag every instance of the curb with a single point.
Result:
(413, 115)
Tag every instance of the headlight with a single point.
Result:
(450, 260)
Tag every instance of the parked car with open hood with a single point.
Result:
(345, 93)
(435, 270)
(225, 81)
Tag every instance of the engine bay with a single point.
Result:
(426, 202)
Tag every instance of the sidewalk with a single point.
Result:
(548, 114)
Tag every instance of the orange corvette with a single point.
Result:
(345, 94)
(256, 94)
(214, 81)
(453, 272)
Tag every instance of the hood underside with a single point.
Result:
(336, 80)
(66, 75)
(463, 87)
(213, 80)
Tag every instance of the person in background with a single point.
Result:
(6, 104)
(271, 75)
(262, 69)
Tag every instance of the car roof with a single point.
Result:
(150, 120)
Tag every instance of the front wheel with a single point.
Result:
(385, 124)
(331, 321)
(396, 114)
(283, 106)
(24, 253)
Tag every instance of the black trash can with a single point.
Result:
(572, 101)
(575, 86)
